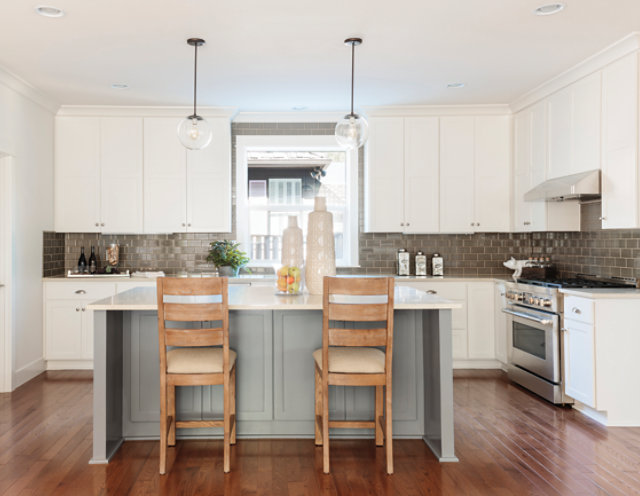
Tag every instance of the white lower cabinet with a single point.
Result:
(500, 324)
(601, 366)
(68, 325)
(472, 325)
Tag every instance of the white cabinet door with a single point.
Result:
(209, 182)
(384, 175)
(121, 172)
(560, 135)
(579, 362)
(522, 170)
(456, 174)
(87, 331)
(500, 323)
(492, 174)
(63, 329)
(480, 323)
(538, 164)
(165, 176)
(620, 200)
(77, 174)
(421, 172)
(586, 119)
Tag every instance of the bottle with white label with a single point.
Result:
(437, 265)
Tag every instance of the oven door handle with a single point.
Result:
(528, 316)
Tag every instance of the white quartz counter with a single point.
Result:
(264, 298)
(595, 293)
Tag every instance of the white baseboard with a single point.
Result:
(600, 417)
(69, 364)
(477, 364)
(28, 372)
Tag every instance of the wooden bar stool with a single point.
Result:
(193, 319)
(348, 357)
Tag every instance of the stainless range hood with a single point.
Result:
(582, 186)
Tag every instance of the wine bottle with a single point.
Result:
(82, 261)
(93, 263)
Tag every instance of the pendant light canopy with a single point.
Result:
(353, 130)
(194, 131)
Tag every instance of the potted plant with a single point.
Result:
(227, 257)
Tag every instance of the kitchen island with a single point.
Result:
(274, 337)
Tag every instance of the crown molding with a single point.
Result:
(298, 116)
(142, 111)
(436, 110)
(19, 85)
(599, 60)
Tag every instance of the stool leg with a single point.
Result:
(233, 405)
(227, 423)
(325, 426)
(163, 426)
(378, 415)
(389, 429)
(171, 408)
(318, 401)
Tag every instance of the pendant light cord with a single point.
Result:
(195, 79)
(353, 49)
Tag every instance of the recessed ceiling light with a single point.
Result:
(119, 86)
(455, 85)
(299, 107)
(549, 9)
(48, 11)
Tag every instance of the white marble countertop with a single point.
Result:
(244, 297)
(597, 293)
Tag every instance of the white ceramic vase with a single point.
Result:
(321, 252)
(292, 247)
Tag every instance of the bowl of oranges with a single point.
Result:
(289, 279)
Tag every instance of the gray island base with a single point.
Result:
(274, 337)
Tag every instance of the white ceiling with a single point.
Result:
(279, 54)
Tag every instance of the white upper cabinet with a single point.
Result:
(77, 174)
(98, 175)
(530, 169)
(574, 127)
(620, 106)
(402, 175)
(421, 170)
(457, 135)
(492, 174)
(121, 174)
(209, 182)
(186, 190)
(165, 177)
(475, 174)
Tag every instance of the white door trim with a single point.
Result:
(6, 341)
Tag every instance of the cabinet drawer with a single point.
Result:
(79, 290)
(455, 291)
(579, 309)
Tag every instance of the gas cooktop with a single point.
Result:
(583, 281)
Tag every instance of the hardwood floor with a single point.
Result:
(509, 443)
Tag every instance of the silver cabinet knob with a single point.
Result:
(83, 309)
(97, 224)
(431, 291)
(408, 224)
(527, 223)
(77, 309)
(102, 224)
(576, 310)
(80, 291)
(402, 224)
(564, 329)
(477, 224)
(602, 218)
(189, 224)
(183, 224)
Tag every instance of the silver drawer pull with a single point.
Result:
(81, 291)
(576, 310)
(564, 329)
(431, 291)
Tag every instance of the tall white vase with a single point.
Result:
(292, 246)
(321, 251)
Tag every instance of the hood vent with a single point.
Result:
(582, 186)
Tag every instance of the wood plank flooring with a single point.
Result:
(509, 443)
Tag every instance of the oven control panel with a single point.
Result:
(528, 299)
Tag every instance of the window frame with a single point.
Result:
(247, 143)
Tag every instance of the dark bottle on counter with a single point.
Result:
(93, 263)
(82, 261)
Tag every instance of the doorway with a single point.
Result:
(6, 162)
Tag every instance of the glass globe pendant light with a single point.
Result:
(194, 131)
(353, 130)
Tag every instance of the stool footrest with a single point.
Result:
(194, 424)
(352, 424)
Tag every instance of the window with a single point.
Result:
(279, 176)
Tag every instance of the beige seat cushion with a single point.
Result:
(197, 360)
(352, 360)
